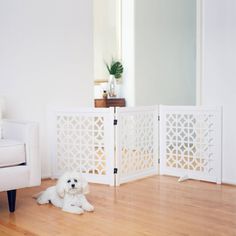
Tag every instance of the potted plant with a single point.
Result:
(115, 70)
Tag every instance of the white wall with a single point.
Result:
(128, 50)
(46, 57)
(219, 73)
(165, 52)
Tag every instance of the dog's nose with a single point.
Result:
(72, 185)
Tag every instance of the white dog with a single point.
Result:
(68, 194)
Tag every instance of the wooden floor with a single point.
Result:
(154, 206)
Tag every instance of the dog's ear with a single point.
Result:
(85, 186)
(60, 186)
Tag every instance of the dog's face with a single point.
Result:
(72, 183)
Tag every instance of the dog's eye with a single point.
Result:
(75, 180)
(68, 181)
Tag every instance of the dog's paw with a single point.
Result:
(88, 207)
(74, 210)
(79, 211)
(42, 201)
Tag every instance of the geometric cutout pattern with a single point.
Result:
(137, 143)
(190, 140)
(80, 144)
(83, 140)
(190, 143)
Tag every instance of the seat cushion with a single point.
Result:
(12, 152)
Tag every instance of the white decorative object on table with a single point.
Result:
(103, 89)
(112, 86)
(115, 70)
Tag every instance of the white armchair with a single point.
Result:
(19, 159)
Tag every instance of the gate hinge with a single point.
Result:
(115, 122)
(115, 170)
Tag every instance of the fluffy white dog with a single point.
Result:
(68, 194)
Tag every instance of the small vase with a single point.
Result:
(112, 86)
(104, 95)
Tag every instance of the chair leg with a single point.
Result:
(11, 195)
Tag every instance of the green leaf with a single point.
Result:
(108, 68)
(115, 68)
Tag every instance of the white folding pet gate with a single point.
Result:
(116, 146)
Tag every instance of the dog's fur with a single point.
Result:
(68, 194)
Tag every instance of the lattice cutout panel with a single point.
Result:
(190, 142)
(84, 143)
(137, 143)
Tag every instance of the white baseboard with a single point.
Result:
(224, 181)
(232, 182)
(46, 175)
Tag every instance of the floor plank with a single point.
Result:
(157, 205)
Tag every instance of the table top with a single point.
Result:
(109, 102)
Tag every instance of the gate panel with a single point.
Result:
(136, 143)
(83, 140)
(190, 142)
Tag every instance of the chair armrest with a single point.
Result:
(26, 132)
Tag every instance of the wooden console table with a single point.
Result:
(109, 102)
